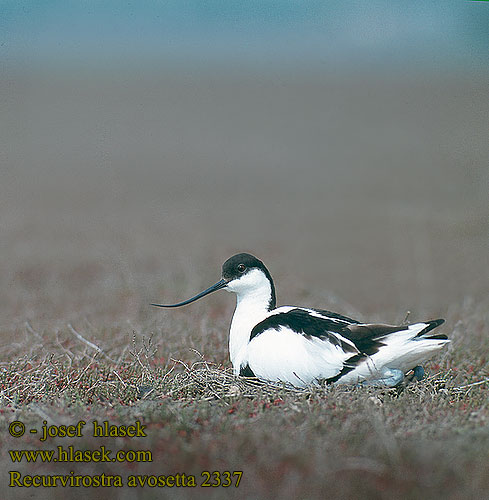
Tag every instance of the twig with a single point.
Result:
(119, 377)
(480, 382)
(86, 368)
(199, 354)
(146, 394)
(180, 362)
(88, 343)
(405, 320)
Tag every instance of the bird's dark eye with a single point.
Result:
(241, 268)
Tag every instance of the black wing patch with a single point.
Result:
(430, 326)
(368, 337)
(301, 321)
(334, 315)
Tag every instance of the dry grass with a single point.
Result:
(429, 438)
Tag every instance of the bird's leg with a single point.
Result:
(390, 378)
(416, 373)
(419, 372)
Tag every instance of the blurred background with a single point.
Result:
(143, 143)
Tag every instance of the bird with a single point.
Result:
(302, 346)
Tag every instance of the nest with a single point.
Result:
(207, 381)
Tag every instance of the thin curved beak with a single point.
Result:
(217, 286)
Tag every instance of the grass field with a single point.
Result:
(363, 194)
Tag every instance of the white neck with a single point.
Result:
(253, 294)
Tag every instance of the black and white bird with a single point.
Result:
(301, 346)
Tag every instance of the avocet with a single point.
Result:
(301, 345)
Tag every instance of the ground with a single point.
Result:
(363, 194)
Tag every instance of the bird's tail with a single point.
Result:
(431, 325)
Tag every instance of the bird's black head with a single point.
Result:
(241, 264)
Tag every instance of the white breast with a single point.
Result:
(284, 355)
(253, 294)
